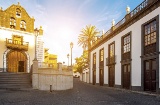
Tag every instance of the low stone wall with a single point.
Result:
(50, 79)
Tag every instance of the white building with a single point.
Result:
(127, 55)
(40, 46)
(85, 75)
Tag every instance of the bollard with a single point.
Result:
(50, 88)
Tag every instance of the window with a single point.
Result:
(101, 55)
(18, 13)
(94, 60)
(12, 22)
(126, 44)
(23, 25)
(126, 47)
(150, 33)
(111, 58)
(111, 50)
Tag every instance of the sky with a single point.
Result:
(63, 20)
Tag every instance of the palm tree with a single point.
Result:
(87, 35)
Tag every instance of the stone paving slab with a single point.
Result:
(81, 94)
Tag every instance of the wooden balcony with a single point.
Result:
(17, 45)
(111, 60)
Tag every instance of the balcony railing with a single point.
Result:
(18, 45)
(132, 14)
(111, 60)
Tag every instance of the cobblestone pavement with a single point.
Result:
(81, 94)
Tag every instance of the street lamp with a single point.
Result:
(71, 46)
(68, 58)
(36, 31)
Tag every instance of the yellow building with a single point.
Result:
(17, 39)
(50, 59)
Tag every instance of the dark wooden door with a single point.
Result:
(94, 77)
(111, 76)
(126, 76)
(101, 77)
(21, 66)
(150, 75)
(14, 63)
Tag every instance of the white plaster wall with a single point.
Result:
(135, 54)
(87, 77)
(97, 66)
(91, 68)
(7, 33)
(46, 79)
(3, 35)
(118, 59)
(105, 67)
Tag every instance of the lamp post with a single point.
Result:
(36, 31)
(71, 46)
(68, 58)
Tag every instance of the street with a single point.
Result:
(81, 94)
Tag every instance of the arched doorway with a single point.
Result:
(16, 61)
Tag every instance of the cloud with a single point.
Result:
(40, 9)
(84, 4)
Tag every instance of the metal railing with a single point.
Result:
(14, 44)
(138, 8)
(121, 22)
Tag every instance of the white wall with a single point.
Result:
(27, 37)
(51, 79)
(40, 48)
(97, 66)
(105, 67)
(91, 68)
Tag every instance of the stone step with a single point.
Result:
(15, 86)
(14, 75)
(15, 80)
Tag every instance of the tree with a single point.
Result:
(81, 62)
(87, 36)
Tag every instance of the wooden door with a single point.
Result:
(94, 77)
(150, 75)
(16, 61)
(101, 77)
(111, 76)
(21, 66)
(126, 76)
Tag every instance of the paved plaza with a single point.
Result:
(81, 94)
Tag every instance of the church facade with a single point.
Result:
(127, 55)
(17, 40)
